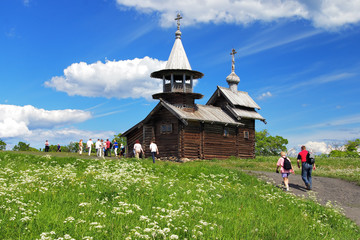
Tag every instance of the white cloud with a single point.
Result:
(264, 95)
(112, 79)
(18, 121)
(315, 148)
(328, 14)
(334, 13)
(318, 147)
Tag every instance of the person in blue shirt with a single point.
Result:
(115, 146)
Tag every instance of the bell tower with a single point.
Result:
(178, 77)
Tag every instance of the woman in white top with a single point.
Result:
(154, 150)
(138, 149)
(80, 146)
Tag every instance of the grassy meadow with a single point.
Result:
(67, 197)
(343, 168)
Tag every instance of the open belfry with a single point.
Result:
(182, 129)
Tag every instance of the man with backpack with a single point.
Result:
(286, 168)
(307, 165)
(108, 145)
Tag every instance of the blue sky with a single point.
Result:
(80, 69)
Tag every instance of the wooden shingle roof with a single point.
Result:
(238, 98)
(203, 113)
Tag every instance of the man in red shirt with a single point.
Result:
(108, 148)
(306, 168)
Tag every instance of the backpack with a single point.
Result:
(309, 159)
(287, 164)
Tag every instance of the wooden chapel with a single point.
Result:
(182, 129)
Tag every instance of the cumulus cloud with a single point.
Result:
(327, 14)
(264, 95)
(112, 79)
(314, 147)
(18, 121)
(318, 147)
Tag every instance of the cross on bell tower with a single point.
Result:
(178, 20)
(178, 32)
(177, 76)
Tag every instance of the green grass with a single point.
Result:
(343, 168)
(54, 197)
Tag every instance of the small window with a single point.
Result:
(166, 128)
(226, 132)
(246, 134)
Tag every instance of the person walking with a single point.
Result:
(138, 149)
(108, 148)
(103, 148)
(89, 145)
(97, 147)
(47, 146)
(116, 146)
(122, 150)
(58, 148)
(306, 167)
(154, 150)
(80, 146)
(286, 168)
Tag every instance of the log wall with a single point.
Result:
(246, 146)
(215, 144)
(148, 136)
(190, 140)
(207, 141)
(167, 142)
(136, 134)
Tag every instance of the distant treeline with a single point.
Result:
(71, 147)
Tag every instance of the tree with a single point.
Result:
(343, 154)
(351, 150)
(21, 146)
(352, 146)
(73, 147)
(54, 148)
(120, 139)
(2, 145)
(267, 145)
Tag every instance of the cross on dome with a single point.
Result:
(233, 52)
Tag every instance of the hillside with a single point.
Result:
(46, 197)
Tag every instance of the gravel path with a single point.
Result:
(341, 193)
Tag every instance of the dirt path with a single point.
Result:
(341, 193)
